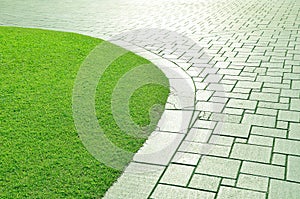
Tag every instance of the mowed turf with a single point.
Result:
(41, 154)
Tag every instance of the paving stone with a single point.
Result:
(261, 140)
(244, 104)
(233, 111)
(225, 118)
(251, 152)
(266, 111)
(282, 125)
(285, 146)
(205, 124)
(279, 159)
(295, 84)
(260, 169)
(171, 192)
(205, 182)
(295, 104)
(186, 158)
(205, 149)
(293, 165)
(294, 132)
(232, 129)
(259, 120)
(210, 106)
(177, 174)
(221, 140)
(253, 182)
(283, 190)
(248, 84)
(235, 193)
(218, 167)
(290, 116)
(268, 97)
(272, 105)
(270, 132)
(198, 135)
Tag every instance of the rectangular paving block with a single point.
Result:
(294, 132)
(228, 182)
(243, 104)
(293, 168)
(232, 129)
(261, 140)
(270, 132)
(205, 149)
(236, 193)
(259, 120)
(222, 167)
(205, 182)
(290, 147)
(251, 152)
(283, 190)
(177, 174)
(209, 106)
(291, 116)
(263, 170)
(253, 182)
(249, 84)
(171, 192)
(205, 124)
(186, 158)
(221, 140)
(268, 97)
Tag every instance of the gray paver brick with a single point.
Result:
(293, 165)
(294, 132)
(285, 146)
(251, 152)
(283, 190)
(235, 193)
(218, 166)
(289, 116)
(263, 170)
(205, 182)
(259, 120)
(271, 132)
(177, 174)
(232, 129)
(244, 104)
(253, 182)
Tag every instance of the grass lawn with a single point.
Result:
(41, 155)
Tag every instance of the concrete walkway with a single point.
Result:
(241, 134)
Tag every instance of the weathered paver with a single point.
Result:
(242, 60)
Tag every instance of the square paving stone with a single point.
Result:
(235, 193)
(283, 190)
(294, 131)
(177, 174)
(293, 168)
(205, 182)
(186, 158)
(251, 152)
(253, 182)
(218, 167)
(279, 159)
(295, 104)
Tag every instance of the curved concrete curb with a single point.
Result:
(149, 162)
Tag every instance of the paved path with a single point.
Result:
(243, 58)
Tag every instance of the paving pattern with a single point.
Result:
(244, 60)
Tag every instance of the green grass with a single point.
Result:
(41, 155)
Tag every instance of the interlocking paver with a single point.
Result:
(235, 193)
(218, 166)
(286, 146)
(263, 170)
(283, 189)
(293, 165)
(205, 182)
(177, 174)
(253, 182)
(251, 152)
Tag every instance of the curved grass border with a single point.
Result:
(41, 153)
